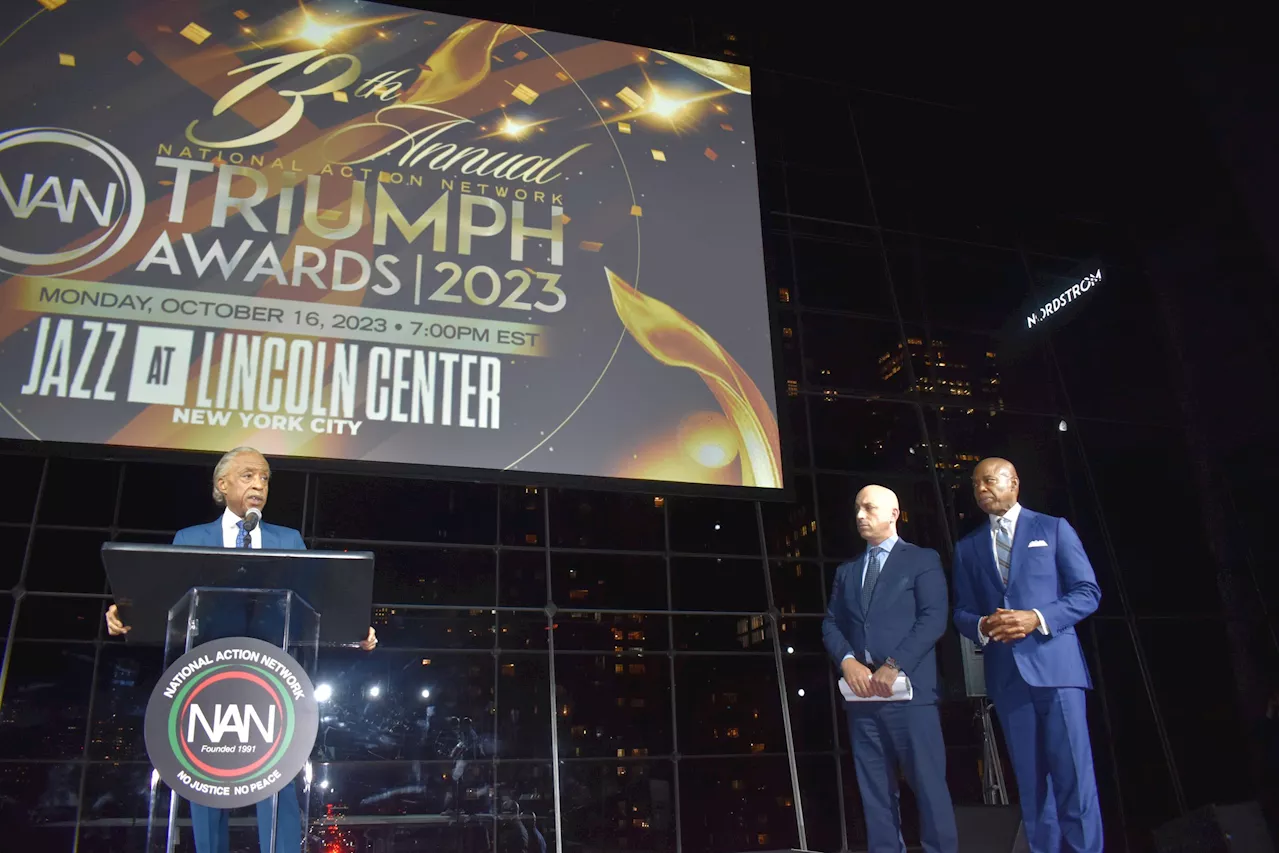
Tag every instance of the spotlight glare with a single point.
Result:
(375, 691)
(324, 692)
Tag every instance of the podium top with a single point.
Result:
(147, 580)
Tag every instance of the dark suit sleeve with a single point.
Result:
(837, 644)
(966, 616)
(1079, 586)
(931, 613)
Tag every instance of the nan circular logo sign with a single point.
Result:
(231, 722)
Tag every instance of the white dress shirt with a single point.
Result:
(230, 532)
(1011, 516)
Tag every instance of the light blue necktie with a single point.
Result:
(244, 539)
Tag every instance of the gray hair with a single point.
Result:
(224, 465)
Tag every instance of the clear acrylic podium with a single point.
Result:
(277, 616)
(184, 597)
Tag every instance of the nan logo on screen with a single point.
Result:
(231, 722)
(45, 217)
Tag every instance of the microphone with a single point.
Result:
(251, 518)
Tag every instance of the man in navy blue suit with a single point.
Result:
(888, 609)
(240, 483)
(1022, 582)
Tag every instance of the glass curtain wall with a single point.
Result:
(659, 646)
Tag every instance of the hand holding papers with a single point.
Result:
(901, 691)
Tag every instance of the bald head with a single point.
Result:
(877, 514)
(995, 485)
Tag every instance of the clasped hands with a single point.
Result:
(1008, 626)
(116, 628)
(864, 683)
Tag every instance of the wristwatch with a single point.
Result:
(892, 664)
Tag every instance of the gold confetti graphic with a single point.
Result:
(52, 4)
(675, 340)
(340, 96)
(564, 219)
(67, 60)
(524, 93)
(590, 246)
(562, 77)
(710, 155)
(726, 127)
(195, 33)
(458, 65)
(520, 54)
(658, 155)
(629, 97)
(624, 127)
(735, 78)
(635, 210)
(242, 14)
(134, 57)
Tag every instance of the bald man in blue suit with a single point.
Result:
(1023, 582)
(888, 610)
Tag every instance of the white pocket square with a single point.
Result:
(1039, 543)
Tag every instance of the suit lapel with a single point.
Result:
(890, 561)
(987, 556)
(1023, 533)
(856, 586)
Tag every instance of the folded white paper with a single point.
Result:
(901, 691)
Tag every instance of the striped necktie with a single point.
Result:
(244, 539)
(1004, 548)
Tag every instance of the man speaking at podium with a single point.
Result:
(240, 482)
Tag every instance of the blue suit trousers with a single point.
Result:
(1047, 733)
(892, 736)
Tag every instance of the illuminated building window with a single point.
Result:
(733, 732)
(579, 731)
(617, 668)
(786, 332)
(658, 502)
(784, 294)
(757, 747)
(991, 355)
(622, 771)
(636, 669)
(508, 669)
(793, 388)
(762, 838)
(578, 594)
(427, 662)
(640, 752)
(915, 341)
(736, 785)
(635, 635)
(531, 538)
(622, 753)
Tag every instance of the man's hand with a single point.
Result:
(369, 642)
(1009, 626)
(114, 626)
(858, 677)
(882, 681)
